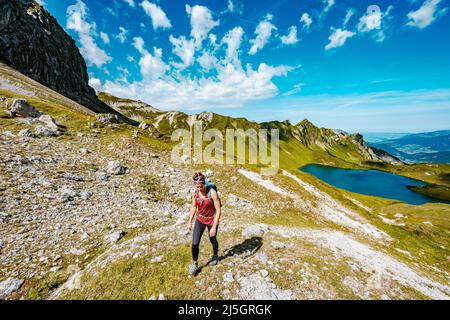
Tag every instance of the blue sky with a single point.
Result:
(366, 66)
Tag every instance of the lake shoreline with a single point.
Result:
(374, 182)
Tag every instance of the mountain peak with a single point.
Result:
(305, 123)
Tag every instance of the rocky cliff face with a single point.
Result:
(33, 43)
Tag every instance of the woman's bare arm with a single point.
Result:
(191, 214)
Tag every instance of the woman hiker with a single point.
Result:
(206, 204)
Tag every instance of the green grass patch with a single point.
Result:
(139, 279)
(41, 289)
(153, 188)
(433, 191)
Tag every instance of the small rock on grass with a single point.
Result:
(8, 134)
(115, 236)
(67, 194)
(156, 259)
(25, 133)
(228, 277)
(21, 108)
(256, 230)
(277, 245)
(160, 297)
(86, 195)
(115, 168)
(42, 131)
(77, 252)
(49, 122)
(262, 257)
(54, 269)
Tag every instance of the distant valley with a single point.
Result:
(414, 148)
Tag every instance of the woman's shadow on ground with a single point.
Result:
(247, 248)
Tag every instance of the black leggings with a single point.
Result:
(197, 235)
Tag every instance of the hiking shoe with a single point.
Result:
(214, 260)
(193, 268)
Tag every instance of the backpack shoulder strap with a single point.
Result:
(209, 194)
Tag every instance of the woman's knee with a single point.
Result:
(213, 239)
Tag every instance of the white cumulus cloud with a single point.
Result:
(374, 21)
(96, 84)
(234, 7)
(104, 37)
(157, 15)
(202, 23)
(295, 89)
(291, 37)
(130, 2)
(426, 14)
(306, 20)
(232, 87)
(122, 35)
(232, 40)
(152, 66)
(78, 20)
(208, 61)
(350, 13)
(338, 38)
(184, 49)
(263, 33)
(328, 5)
(231, 6)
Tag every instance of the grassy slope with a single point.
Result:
(137, 278)
(434, 190)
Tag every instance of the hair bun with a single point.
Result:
(198, 176)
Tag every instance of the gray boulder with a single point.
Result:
(107, 118)
(228, 277)
(256, 230)
(115, 236)
(143, 126)
(115, 168)
(67, 194)
(277, 245)
(9, 285)
(21, 108)
(8, 134)
(49, 122)
(26, 133)
(42, 131)
(102, 176)
(86, 195)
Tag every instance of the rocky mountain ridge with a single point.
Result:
(33, 43)
(335, 142)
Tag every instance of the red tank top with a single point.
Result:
(205, 209)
